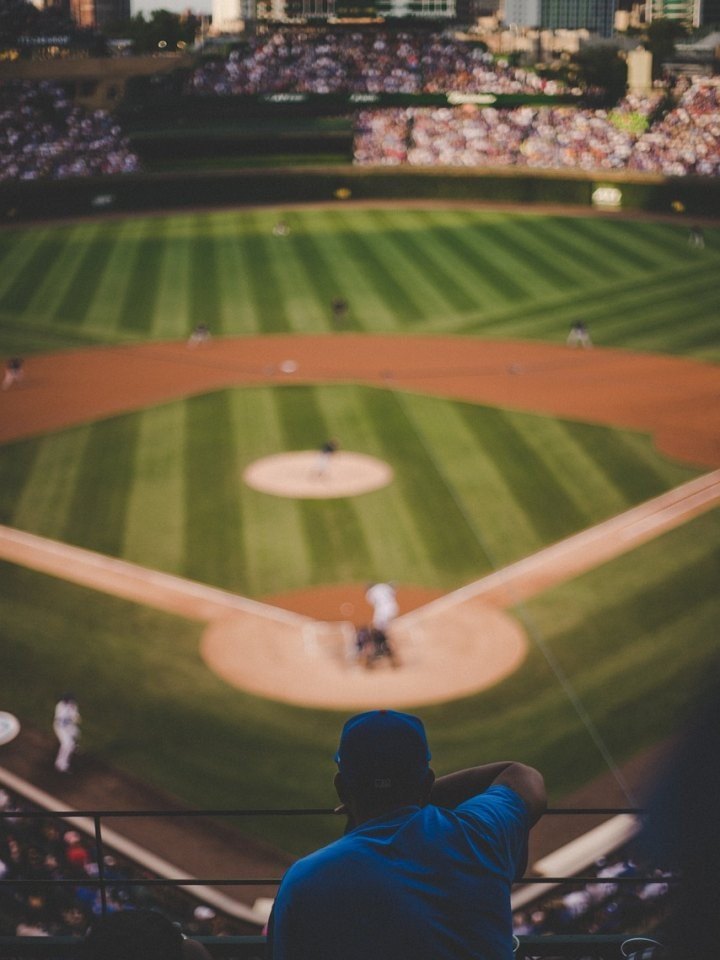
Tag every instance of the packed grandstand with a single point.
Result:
(673, 133)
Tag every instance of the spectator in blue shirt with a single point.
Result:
(425, 867)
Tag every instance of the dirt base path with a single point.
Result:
(674, 399)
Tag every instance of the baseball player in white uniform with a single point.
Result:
(66, 725)
(383, 600)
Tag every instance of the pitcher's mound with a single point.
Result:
(302, 474)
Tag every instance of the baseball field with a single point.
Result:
(147, 466)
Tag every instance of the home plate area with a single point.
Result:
(437, 656)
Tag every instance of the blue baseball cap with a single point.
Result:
(383, 749)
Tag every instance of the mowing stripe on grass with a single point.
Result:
(700, 340)
(451, 283)
(171, 318)
(321, 274)
(590, 259)
(276, 556)
(500, 524)
(204, 296)
(17, 465)
(155, 520)
(44, 499)
(664, 240)
(143, 281)
(213, 523)
(98, 503)
(530, 482)
(593, 243)
(18, 297)
(262, 281)
(231, 283)
(489, 283)
(241, 315)
(609, 243)
(19, 252)
(74, 306)
(301, 295)
(579, 476)
(517, 238)
(402, 301)
(516, 278)
(634, 477)
(440, 523)
(367, 307)
(334, 536)
(111, 292)
(345, 410)
(627, 244)
(645, 322)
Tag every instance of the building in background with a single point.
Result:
(689, 11)
(97, 14)
(597, 16)
(234, 16)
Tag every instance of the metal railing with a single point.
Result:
(587, 947)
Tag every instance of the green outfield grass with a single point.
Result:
(637, 284)
(475, 487)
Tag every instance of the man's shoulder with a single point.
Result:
(498, 803)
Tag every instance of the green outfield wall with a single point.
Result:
(694, 196)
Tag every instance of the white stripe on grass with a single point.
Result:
(304, 309)
(387, 243)
(367, 307)
(499, 523)
(525, 272)
(171, 319)
(57, 275)
(243, 317)
(592, 242)
(276, 555)
(49, 490)
(154, 532)
(582, 478)
(22, 249)
(456, 271)
(389, 528)
(106, 310)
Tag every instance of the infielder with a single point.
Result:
(66, 725)
(382, 598)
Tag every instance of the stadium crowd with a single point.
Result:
(43, 135)
(685, 141)
(604, 907)
(296, 61)
(41, 849)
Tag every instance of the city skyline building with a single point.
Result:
(597, 16)
(96, 14)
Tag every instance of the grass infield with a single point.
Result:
(476, 488)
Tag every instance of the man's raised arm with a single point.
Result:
(451, 790)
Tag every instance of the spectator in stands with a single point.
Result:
(43, 135)
(426, 866)
(138, 935)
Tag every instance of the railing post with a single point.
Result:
(101, 864)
